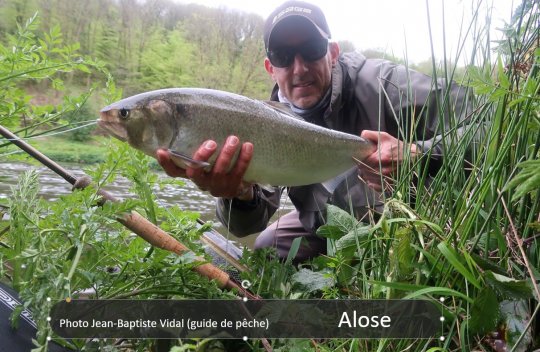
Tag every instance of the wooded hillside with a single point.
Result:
(156, 43)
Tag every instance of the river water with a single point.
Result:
(188, 197)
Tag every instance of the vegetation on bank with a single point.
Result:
(469, 234)
(64, 150)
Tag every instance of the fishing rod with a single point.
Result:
(133, 221)
(138, 224)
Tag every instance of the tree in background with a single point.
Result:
(156, 43)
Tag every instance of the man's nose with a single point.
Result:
(299, 64)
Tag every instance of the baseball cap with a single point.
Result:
(300, 9)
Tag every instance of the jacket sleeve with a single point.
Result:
(244, 218)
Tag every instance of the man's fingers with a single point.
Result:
(225, 177)
(225, 157)
(246, 153)
(167, 164)
(376, 177)
(375, 180)
(225, 182)
(204, 153)
(372, 136)
(377, 169)
(376, 186)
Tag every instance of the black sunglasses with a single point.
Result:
(310, 51)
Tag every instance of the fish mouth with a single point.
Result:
(113, 128)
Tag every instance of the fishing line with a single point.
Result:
(13, 152)
(229, 223)
(280, 210)
(54, 133)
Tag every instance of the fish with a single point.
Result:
(287, 151)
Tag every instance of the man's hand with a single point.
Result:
(222, 180)
(379, 167)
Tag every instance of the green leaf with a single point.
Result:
(452, 257)
(503, 79)
(293, 250)
(338, 217)
(83, 68)
(530, 185)
(330, 231)
(442, 291)
(16, 315)
(399, 285)
(528, 179)
(485, 312)
(403, 253)
(480, 80)
(313, 280)
(354, 238)
(508, 288)
(487, 265)
(531, 86)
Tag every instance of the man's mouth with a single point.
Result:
(302, 85)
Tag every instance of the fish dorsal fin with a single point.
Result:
(282, 108)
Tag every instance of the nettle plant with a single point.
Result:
(74, 247)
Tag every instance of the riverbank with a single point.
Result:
(187, 197)
(64, 150)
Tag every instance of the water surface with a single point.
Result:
(187, 197)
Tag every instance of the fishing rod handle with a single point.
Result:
(156, 236)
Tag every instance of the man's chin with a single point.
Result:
(305, 97)
(305, 103)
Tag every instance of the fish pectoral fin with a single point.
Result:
(333, 183)
(266, 187)
(185, 161)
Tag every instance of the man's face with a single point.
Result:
(303, 83)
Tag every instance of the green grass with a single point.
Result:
(63, 150)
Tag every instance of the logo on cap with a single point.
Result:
(291, 9)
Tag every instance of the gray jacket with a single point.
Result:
(367, 94)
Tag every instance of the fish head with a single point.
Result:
(147, 124)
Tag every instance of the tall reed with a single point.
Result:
(468, 233)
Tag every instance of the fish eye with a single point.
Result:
(124, 113)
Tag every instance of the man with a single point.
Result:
(375, 99)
